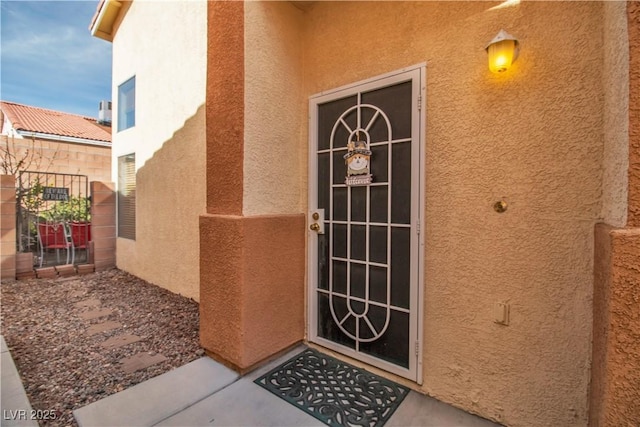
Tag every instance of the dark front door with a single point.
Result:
(365, 210)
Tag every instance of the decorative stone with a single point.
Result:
(77, 294)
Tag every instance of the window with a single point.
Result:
(127, 104)
(127, 196)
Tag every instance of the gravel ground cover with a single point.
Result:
(62, 366)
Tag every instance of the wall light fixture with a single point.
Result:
(502, 51)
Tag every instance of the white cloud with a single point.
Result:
(47, 51)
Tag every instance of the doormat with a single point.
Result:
(334, 392)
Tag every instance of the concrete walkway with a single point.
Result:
(16, 409)
(204, 393)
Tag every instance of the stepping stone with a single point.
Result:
(94, 314)
(88, 303)
(102, 327)
(120, 340)
(140, 361)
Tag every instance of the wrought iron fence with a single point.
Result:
(53, 200)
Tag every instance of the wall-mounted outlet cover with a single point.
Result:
(501, 313)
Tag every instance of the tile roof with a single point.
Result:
(35, 119)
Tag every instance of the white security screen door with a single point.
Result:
(366, 204)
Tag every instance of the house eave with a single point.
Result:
(62, 138)
(102, 25)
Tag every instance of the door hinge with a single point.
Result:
(417, 348)
(418, 227)
(420, 103)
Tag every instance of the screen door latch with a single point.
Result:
(317, 221)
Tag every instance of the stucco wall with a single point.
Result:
(615, 392)
(167, 139)
(615, 385)
(533, 136)
(273, 102)
(251, 264)
(251, 296)
(616, 118)
(634, 113)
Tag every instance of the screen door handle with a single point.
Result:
(317, 221)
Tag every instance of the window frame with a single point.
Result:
(127, 104)
(126, 198)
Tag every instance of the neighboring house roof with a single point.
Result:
(40, 122)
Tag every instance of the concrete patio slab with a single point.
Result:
(159, 398)
(211, 394)
(245, 403)
(16, 409)
(419, 410)
(242, 404)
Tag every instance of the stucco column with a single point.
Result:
(251, 267)
(103, 224)
(615, 376)
(633, 14)
(225, 107)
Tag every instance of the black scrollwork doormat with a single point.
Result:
(334, 392)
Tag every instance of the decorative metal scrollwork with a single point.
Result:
(359, 136)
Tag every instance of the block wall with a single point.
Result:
(8, 227)
(65, 157)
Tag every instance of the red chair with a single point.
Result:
(80, 236)
(54, 236)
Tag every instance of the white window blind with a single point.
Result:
(127, 196)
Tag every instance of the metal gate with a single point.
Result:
(53, 217)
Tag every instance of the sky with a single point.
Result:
(49, 59)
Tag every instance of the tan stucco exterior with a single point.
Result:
(549, 137)
(533, 136)
(250, 298)
(274, 154)
(616, 119)
(634, 114)
(167, 139)
(615, 379)
(251, 263)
